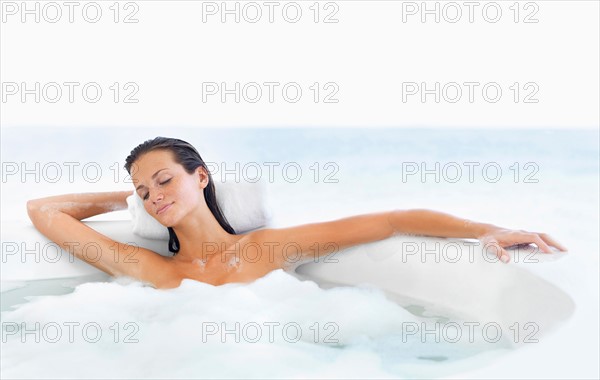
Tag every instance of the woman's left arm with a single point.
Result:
(318, 239)
(434, 223)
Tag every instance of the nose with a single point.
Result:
(156, 196)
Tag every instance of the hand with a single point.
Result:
(504, 238)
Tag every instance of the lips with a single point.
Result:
(163, 209)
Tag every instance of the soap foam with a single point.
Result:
(346, 331)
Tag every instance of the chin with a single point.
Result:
(164, 224)
(169, 221)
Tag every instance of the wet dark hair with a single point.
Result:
(188, 157)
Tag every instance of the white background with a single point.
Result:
(368, 53)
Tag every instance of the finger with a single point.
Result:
(500, 252)
(553, 242)
(541, 244)
(519, 245)
(504, 257)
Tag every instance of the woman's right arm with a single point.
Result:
(59, 219)
(82, 206)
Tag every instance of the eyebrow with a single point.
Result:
(153, 175)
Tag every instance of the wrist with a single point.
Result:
(477, 230)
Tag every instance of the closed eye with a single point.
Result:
(161, 183)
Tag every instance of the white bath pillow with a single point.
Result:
(244, 204)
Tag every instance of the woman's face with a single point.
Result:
(168, 192)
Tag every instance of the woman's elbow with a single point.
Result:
(35, 209)
(32, 207)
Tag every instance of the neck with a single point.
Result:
(201, 237)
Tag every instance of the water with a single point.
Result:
(15, 293)
(549, 182)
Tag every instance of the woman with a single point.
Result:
(178, 191)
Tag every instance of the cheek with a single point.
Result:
(187, 194)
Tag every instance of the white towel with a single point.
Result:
(244, 204)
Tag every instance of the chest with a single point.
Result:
(224, 268)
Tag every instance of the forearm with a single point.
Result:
(82, 205)
(434, 223)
